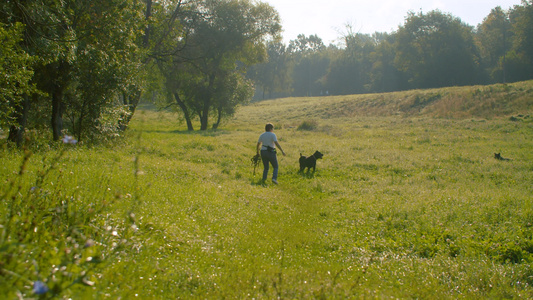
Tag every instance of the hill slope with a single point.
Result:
(487, 102)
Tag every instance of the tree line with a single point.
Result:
(81, 67)
(429, 50)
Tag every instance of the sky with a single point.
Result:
(328, 18)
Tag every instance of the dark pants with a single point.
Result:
(269, 157)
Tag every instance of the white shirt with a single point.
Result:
(267, 138)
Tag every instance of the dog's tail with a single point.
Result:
(301, 154)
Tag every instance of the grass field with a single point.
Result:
(408, 202)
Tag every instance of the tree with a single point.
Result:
(42, 38)
(349, 72)
(436, 50)
(87, 53)
(225, 37)
(272, 76)
(15, 84)
(494, 36)
(384, 76)
(305, 45)
(107, 63)
(520, 58)
(310, 65)
(232, 90)
(181, 87)
(308, 74)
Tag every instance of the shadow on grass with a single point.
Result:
(211, 133)
(258, 182)
(307, 175)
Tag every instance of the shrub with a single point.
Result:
(308, 125)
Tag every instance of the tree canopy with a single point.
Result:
(84, 65)
(432, 49)
(206, 76)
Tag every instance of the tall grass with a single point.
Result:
(401, 206)
(473, 102)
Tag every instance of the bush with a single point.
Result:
(308, 125)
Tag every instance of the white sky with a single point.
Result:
(328, 18)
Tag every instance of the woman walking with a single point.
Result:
(266, 147)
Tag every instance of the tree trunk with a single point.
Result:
(80, 121)
(147, 15)
(131, 101)
(219, 119)
(57, 112)
(16, 133)
(204, 117)
(183, 107)
(204, 114)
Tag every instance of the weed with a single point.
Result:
(54, 240)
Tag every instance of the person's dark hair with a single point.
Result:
(269, 127)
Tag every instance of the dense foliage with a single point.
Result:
(16, 70)
(85, 54)
(433, 49)
(81, 68)
(207, 77)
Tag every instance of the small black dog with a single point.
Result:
(499, 157)
(309, 161)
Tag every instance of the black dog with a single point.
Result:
(499, 157)
(309, 161)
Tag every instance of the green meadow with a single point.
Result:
(407, 202)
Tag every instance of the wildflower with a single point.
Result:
(67, 139)
(39, 287)
(89, 243)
